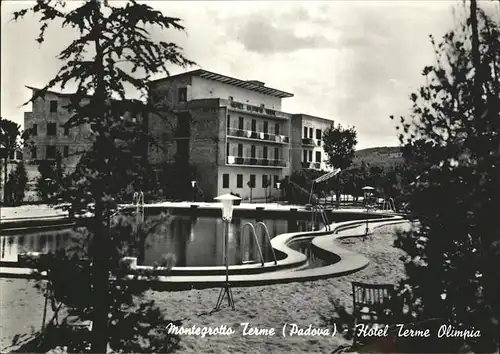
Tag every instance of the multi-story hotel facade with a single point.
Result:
(49, 135)
(307, 151)
(234, 132)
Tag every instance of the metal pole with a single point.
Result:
(226, 289)
(226, 244)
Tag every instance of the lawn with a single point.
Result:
(271, 306)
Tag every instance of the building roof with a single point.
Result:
(303, 115)
(63, 94)
(253, 85)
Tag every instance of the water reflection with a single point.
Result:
(192, 241)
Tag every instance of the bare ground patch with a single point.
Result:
(21, 306)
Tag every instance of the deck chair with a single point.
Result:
(373, 305)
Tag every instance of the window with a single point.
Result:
(304, 159)
(66, 151)
(227, 149)
(66, 130)
(12, 155)
(252, 151)
(34, 130)
(240, 123)
(264, 181)
(318, 134)
(252, 181)
(276, 179)
(33, 153)
(318, 156)
(276, 153)
(266, 127)
(264, 152)
(182, 94)
(310, 133)
(254, 125)
(53, 106)
(228, 121)
(310, 155)
(239, 181)
(240, 150)
(305, 132)
(277, 129)
(51, 152)
(225, 180)
(51, 129)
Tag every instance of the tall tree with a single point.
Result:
(455, 131)
(113, 50)
(339, 143)
(10, 134)
(17, 182)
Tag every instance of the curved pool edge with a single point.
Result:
(289, 269)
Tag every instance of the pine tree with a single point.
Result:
(454, 135)
(119, 39)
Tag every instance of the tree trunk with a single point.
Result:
(100, 250)
(6, 161)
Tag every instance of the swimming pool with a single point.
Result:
(189, 241)
(188, 238)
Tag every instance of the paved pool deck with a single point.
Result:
(33, 212)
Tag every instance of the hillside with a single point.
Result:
(386, 156)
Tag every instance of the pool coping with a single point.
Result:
(286, 270)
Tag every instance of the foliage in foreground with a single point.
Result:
(453, 135)
(113, 51)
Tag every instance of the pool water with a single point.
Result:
(188, 241)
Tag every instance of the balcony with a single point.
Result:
(267, 137)
(256, 110)
(253, 161)
(307, 142)
(311, 142)
(311, 165)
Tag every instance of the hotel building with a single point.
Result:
(234, 132)
(48, 134)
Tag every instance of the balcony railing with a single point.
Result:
(253, 161)
(276, 138)
(258, 110)
(311, 165)
(311, 142)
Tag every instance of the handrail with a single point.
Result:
(390, 204)
(252, 229)
(266, 230)
(138, 201)
(324, 218)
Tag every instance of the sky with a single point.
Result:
(355, 62)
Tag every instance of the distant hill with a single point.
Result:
(386, 156)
